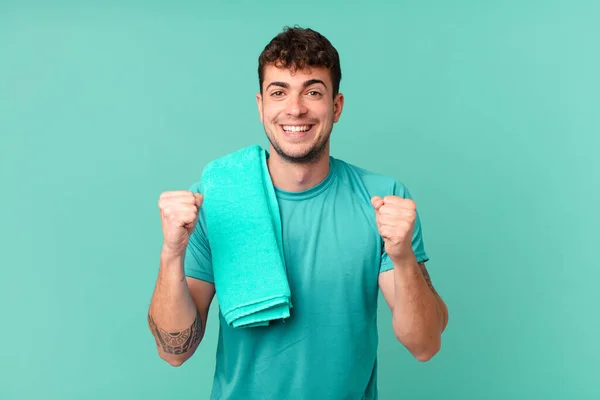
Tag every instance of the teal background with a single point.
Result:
(487, 111)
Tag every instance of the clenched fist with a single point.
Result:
(179, 215)
(395, 218)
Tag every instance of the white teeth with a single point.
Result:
(294, 128)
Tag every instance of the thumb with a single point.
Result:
(377, 202)
(199, 198)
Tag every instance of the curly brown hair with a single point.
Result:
(299, 48)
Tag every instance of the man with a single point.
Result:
(347, 233)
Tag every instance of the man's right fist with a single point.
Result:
(179, 215)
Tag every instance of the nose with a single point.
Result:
(296, 106)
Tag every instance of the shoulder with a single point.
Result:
(372, 182)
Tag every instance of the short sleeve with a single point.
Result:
(418, 245)
(198, 259)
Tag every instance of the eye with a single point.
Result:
(314, 93)
(277, 93)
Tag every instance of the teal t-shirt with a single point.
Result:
(327, 348)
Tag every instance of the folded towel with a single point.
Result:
(244, 232)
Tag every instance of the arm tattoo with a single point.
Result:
(177, 342)
(438, 308)
(426, 276)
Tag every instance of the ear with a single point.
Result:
(260, 106)
(338, 105)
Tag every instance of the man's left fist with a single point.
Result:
(395, 218)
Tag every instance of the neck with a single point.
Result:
(295, 177)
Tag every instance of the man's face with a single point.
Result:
(298, 111)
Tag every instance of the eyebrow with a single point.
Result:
(305, 84)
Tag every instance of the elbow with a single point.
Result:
(177, 360)
(426, 355)
(422, 349)
(173, 360)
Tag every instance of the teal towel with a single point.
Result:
(244, 232)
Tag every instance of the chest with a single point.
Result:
(332, 252)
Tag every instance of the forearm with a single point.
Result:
(419, 314)
(173, 317)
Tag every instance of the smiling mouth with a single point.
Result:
(296, 128)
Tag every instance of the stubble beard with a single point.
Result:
(314, 153)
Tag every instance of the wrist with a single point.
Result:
(171, 266)
(405, 261)
(169, 256)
